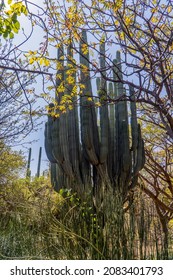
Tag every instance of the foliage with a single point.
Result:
(38, 223)
(157, 179)
(11, 164)
(158, 169)
(35, 196)
(26, 210)
(9, 23)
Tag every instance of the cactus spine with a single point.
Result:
(93, 155)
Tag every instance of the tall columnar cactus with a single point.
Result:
(90, 152)
(39, 162)
(28, 171)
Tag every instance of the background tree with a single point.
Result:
(11, 165)
(17, 79)
(157, 178)
(15, 98)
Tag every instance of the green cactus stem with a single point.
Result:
(91, 151)
(39, 162)
(28, 170)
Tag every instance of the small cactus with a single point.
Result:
(28, 170)
(39, 162)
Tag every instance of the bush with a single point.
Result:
(38, 223)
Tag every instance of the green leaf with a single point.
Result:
(5, 34)
(17, 25)
(24, 10)
(14, 17)
(15, 29)
(11, 35)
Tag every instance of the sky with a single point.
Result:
(36, 139)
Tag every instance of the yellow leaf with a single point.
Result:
(61, 87)
(70, 107)
(68, 24)
(76, 36)
(169, 9)
(171, 47)
(70, 80)
(74, 91)
(154, 19)
(98, 104)
(127, 20)
(41, 61)
(122, 37)
(154, 10)
(31, 60)
(47, 62)
(59, 76)
(84, 48)
(133, 51)
(62, 108)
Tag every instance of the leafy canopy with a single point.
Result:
(11, 164)
(9, 13)
(142, 30)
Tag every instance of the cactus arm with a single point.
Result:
(104, 121)
(48, 136)
(123, 154)
(60, 128)
(89, 130)
(111, 147)
(59, 74)
(73, 124)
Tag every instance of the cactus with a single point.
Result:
(92, 156)
(28, 171)
(39, 162)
